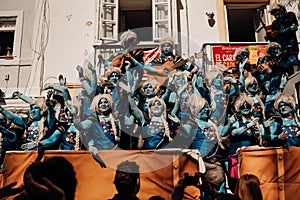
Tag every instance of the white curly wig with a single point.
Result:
(127, 36)
(167, 39)
(241, 100)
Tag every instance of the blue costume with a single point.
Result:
(153, 133)
(291, 128)
(98, 132)
(287, 131)
(249, 137)
(70, 139)
(37, 127)
(205, 140)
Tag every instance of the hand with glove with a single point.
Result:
(30, 146)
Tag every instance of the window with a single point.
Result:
(107, 17)
(243, 22)
(151, 19)
(10, 34)
(162, 18)
(7, 33)
(136, 16)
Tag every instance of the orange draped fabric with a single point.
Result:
(159, 171)
(278, 170)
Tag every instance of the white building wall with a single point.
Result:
(71, 36)
(198, 31)
(29, 13)
(19, 69)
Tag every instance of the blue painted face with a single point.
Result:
(114, 78)
(245, 108)
(241, 57)
(218, 82)
(167, 48)
(277, 13)
(35, 112)
(180, 81)
(156, 108)
(103, 105)
(205, 113)
(275, 51)
(148, 90)
(285, 109)
(253, 87)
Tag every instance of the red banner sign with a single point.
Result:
(224, 54)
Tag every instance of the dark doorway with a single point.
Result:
(241, 25)
(137, 19)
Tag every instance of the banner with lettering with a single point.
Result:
(255, 52)
(224, 54)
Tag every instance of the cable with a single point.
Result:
(40, 45)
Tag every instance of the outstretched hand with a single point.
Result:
(80, 71)
(49, 94)
(275, 33)
(91, 67)
(242, 64)
(93, 150)
(161, 72)
(46, 190)
(7, 191)
(252, 123)
(73, 107)
(269, 122)
(283, 81)
(48, 86)
(15, 94)
(29, 146)
(283, 135)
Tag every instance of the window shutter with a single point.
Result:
(161, 10)
(107, 18)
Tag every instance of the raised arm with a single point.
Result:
(91, 88)
(54, 138)
(17, 120)
(136, 112)
(62, 89)
(242, 73)
(25, 98)
(239, 130)
(8, 134)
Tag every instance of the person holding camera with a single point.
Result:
(199, 181)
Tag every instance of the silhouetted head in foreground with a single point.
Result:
(127, 179)
(58, 171)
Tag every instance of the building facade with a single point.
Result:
(41, 39)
